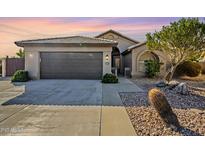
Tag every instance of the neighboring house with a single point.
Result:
(80, 57)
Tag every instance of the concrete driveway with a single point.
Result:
(64, 107)
(58, 92)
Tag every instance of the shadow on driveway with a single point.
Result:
(59, 92)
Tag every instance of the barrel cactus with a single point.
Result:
(158, 100)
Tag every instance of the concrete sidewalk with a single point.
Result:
(111, 92)
(114, 119)
(115, 122)
(46, 120)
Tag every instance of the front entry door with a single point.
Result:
(116, 63)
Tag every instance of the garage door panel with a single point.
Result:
(74, 62)
(91, 71)
(71, 65)
(69, 76)
(71, 56)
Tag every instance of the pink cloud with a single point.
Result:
(13, 29)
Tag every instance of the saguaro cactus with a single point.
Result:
(158, 100)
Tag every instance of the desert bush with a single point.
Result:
(152, 68)
(202, 64)
(20, 76)
(158, 100)
(109, 78)
(188, 68)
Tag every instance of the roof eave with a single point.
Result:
(19, 44)
(138, 45)
(23, 44)
(130, 50)
(126, 51)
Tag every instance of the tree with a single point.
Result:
(21, 53)
(181, 40)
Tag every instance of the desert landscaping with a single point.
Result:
(188, 108)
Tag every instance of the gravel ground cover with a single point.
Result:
(146, 122)
(190, 109)
(146, 83)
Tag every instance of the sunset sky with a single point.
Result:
(14, 29)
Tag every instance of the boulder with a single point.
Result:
(182, 88)
(172, 84)
(161, 84)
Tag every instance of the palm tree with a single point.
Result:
(21, 53)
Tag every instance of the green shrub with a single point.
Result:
(109, 78)
(20, 76)
(188, 68)
(152, 68)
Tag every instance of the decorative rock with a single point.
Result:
(161, 84)
(182, 88)
(173, 84)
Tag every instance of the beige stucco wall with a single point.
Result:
(107, 63)
(32, 57)
(123, 43)
(138, 52)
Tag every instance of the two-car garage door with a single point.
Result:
(71, 65)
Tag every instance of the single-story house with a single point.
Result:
(80, 57)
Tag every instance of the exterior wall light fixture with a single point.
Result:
(31, 55)
(106, 57)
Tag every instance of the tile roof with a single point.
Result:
(129, 49)
(136, 45)
(67, 40)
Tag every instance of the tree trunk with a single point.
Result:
(168, 77)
